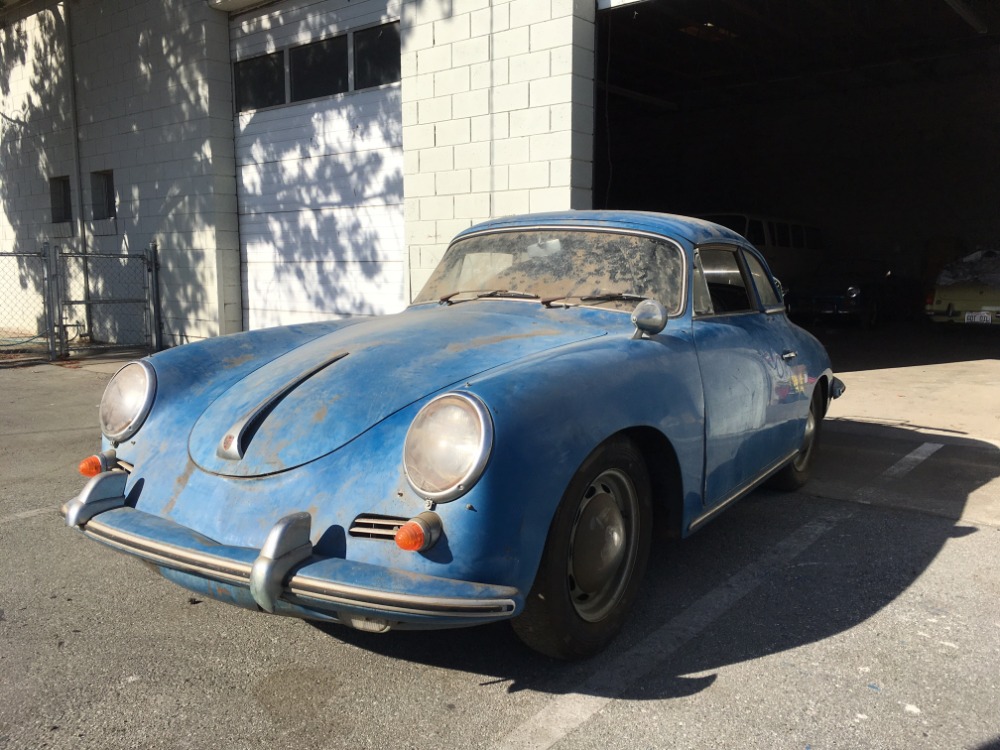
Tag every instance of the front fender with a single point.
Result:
(551, 412)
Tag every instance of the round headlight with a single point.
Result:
(447, 446)
(127, 400)
(853, 292)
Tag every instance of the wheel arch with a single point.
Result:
(666, 485)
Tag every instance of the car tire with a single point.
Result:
(594, 557)
(795, 473)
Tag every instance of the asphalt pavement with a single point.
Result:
(859, 613)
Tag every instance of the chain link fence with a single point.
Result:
(24, 308)
(60, 302)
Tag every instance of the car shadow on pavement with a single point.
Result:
(754, 600)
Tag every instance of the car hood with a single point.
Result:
(320, 396)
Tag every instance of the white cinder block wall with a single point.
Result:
(498, 114)
(153, 101)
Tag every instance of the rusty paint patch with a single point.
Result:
(179, 485)
(461, 346)
(230, 362)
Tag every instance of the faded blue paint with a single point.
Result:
(558, 382)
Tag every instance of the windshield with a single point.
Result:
(562, 266)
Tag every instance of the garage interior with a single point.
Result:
(876, 120)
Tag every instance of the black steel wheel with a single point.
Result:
(796, 473)
(594, 558)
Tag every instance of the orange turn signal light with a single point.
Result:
(410, 537)
(419, 533)
(91, 466)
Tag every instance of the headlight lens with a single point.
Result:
(853, 292)
(447, 446)
(127, 401)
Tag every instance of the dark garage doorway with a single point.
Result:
(877, 120)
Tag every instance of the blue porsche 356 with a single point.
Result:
(499, 450)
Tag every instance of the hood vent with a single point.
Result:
(234, 443)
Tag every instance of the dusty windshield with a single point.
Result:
(560, 266)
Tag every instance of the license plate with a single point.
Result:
(978, 317)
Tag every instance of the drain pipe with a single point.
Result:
(75, 128)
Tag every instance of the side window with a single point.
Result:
(755, 232)
(726, 286)
(768, 294)
(702, 299)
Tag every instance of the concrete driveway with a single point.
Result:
(860, 612)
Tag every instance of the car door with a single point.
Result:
(740, 349)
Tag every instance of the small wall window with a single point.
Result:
(318, 69)
(260, 81)
(62, 202)
(102, 189)
(376, 56)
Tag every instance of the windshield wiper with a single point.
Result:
(608, 297)
(481, 294)
(507, 293)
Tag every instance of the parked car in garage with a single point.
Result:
(497, 451)
(968, 290)
(861, 293)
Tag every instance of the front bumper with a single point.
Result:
(285, 576)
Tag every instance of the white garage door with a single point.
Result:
(319, 160)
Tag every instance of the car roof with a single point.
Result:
(696, 231)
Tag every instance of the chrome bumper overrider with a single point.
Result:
(285, 570)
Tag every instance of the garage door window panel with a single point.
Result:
(319, 69)
(260, 81)
(376, 56)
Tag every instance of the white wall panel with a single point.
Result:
(320, 183)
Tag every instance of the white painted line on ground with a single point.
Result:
(912, 460)
(563, 715)
(27, 514)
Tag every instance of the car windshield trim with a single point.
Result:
(624, 275)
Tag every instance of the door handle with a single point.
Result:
(789, 354)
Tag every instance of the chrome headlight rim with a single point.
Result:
(478, 466)
(145, 406)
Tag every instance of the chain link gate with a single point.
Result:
(58, 302)
(25, 323)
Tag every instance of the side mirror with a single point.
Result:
(649, 318)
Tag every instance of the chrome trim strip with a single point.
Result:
(384, 601)
(303, 586)
(744, 489)
(170, 555)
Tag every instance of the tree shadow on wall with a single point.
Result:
(322, 236)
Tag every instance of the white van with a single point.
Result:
(793, 250)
